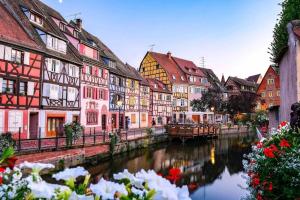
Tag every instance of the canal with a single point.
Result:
(212, 169)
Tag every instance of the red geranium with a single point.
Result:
(259, 197)
(270, 186)
(1, 180)
(269, 152)
(284, 143)
(2, 169)
(255, 181)
(174, 174)
(273, 147)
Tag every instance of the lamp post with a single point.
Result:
(212, 109)
(119, 104)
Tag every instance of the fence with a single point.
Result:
(91, 137)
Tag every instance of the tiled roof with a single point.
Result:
(188, 67)
(241, 81)
(48, 26)
(131, 72)
(158, 86)
(253, 78)
(170, 67)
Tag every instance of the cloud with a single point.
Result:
(60, 1)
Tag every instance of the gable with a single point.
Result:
(270, 74)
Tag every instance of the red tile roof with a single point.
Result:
(170, 66)
(188, 67)
(160, 86)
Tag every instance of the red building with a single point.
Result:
(20, 72)
(269, 90)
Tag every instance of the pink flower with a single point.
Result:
(259, 145)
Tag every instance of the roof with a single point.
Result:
(241, 81)
(12, 31)
(170, 66)
(158, 86)
(49, 26)
(188, 67)
(212, 78)
(253, 78)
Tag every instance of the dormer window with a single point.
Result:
(112, 64)
(75, 34)
(36, 19)
(173, 76)
(91, 42)
(56, 44)
(62, 26)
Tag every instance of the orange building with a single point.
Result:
(269, 90)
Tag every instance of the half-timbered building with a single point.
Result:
(160, 112)
(60, 96)
(237, 86)
(20, 71)
(164, 68)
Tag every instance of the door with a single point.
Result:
(121, 123)
(33, 125)
(113, 121)
(126, 122)
(55, 126)
(103, 121)
(196, 118)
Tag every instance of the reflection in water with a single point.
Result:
(212, 169)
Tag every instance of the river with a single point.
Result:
(212, 168)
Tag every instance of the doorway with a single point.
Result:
(113, 121)
(33, 125)
(103, 122)
(55, 126)
(121, 123)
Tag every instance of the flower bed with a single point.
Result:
(273, 167)
(144, 185)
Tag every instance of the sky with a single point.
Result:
(233, 36)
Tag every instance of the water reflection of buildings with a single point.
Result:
(200, 162)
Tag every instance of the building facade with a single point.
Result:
(237, 86)
(160, 103)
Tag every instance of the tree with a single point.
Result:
(243, 103)
(290, 11)
(212, 98)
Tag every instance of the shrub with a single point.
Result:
(6, 141)
(273, 167)
(149, 131)
(73, 132)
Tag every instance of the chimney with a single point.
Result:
(78, 22)
(169, 54)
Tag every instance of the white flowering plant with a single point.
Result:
(144, 185)
(273, 166)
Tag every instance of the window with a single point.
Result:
(36, 19)
(203, 80)
(16, 56)
(270, 81)
(159, 96)
(242, 87)
(8, 86)
(23, 88)
(168, 97)
(143, 117)
(270, 94)
(159, 120)
(75, 34)
(15, 121)
(112, 64)
(62, 26)
(270, 105)
(91, 118)
(173, 76)
(56, 44)
(182, 78)
(263, 94)
(133, 118)
(132, 84)
(71, 94)
(100, 72)
(278, 93)
(72, 70)
(88, 69)
(182, 102)
(54, 92)
(131, 101)
(157, 66)
(89, 92)
(155, 86)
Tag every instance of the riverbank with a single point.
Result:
(95, 154)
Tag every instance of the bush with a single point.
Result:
(149, 131)
(261, 118)
(273, 167)
(6, 141)
(73, 132)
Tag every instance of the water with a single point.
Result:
(212, 169)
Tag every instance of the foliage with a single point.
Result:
(73, 132)
(273, 167)
(149, 131)
(212, 98)
(290, 11)
(244, 103)
(261, 118)
(6, 141)
(113, 141)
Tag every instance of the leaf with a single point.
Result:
(7, 153)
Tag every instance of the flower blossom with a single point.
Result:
(284, 143)
(70, 173)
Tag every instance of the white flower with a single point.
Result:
(138, 192)
(36, 166)
(70, 173)
(107, 189)
(75, 196)
(127, 175)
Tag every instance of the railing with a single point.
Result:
(91, 137)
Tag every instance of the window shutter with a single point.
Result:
(8, 53)
(30, 88)
(1, 121)
(49, 64)
(1, 51)
(58, 66)
(49, 41)
(1, 82)
(26, 58)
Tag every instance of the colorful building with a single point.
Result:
(237, 86)
(20, 71)
(160, 103)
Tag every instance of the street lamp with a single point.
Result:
(119, 104)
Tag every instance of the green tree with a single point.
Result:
(243, 103)
(290, 11)
(211, 98)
